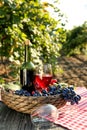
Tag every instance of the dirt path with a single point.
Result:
(75, 70)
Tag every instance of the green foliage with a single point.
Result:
(2, 80)
(29, 19)
(14, 71)
(76, 41)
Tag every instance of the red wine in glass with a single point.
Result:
(46, 79)
(42, 82)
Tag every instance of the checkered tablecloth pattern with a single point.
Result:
(74, 117)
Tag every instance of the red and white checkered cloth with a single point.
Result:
(74, 117)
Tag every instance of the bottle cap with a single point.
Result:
(27, 42)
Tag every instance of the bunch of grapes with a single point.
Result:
(70, 95)
(66, 91)
(22, 92)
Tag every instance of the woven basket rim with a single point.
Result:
(28, 104)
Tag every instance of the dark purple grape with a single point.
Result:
(79, 97)
(76, 99)
(26, 93)
(38, 93)
(52, 88)
(57, 92)
(51, 93)
(59, 86)
(44, 91)
(35, 94)
(19, 92)
(71, 87)
(72, 102)
(44, 94)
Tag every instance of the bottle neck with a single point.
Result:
(28, 64)
(27, 53)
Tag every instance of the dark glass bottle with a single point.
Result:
(27, 72)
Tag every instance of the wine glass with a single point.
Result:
(45, 115)
(39, 117)
(42, 79)
(47, 74)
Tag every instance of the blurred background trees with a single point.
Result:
(30, 19)
(76, 41)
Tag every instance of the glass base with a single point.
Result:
(43, 124)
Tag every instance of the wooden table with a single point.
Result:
(13, 120)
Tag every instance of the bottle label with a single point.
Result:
(24, 77)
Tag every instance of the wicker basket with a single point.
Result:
(29, 104)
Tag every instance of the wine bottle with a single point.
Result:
(27, 71)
